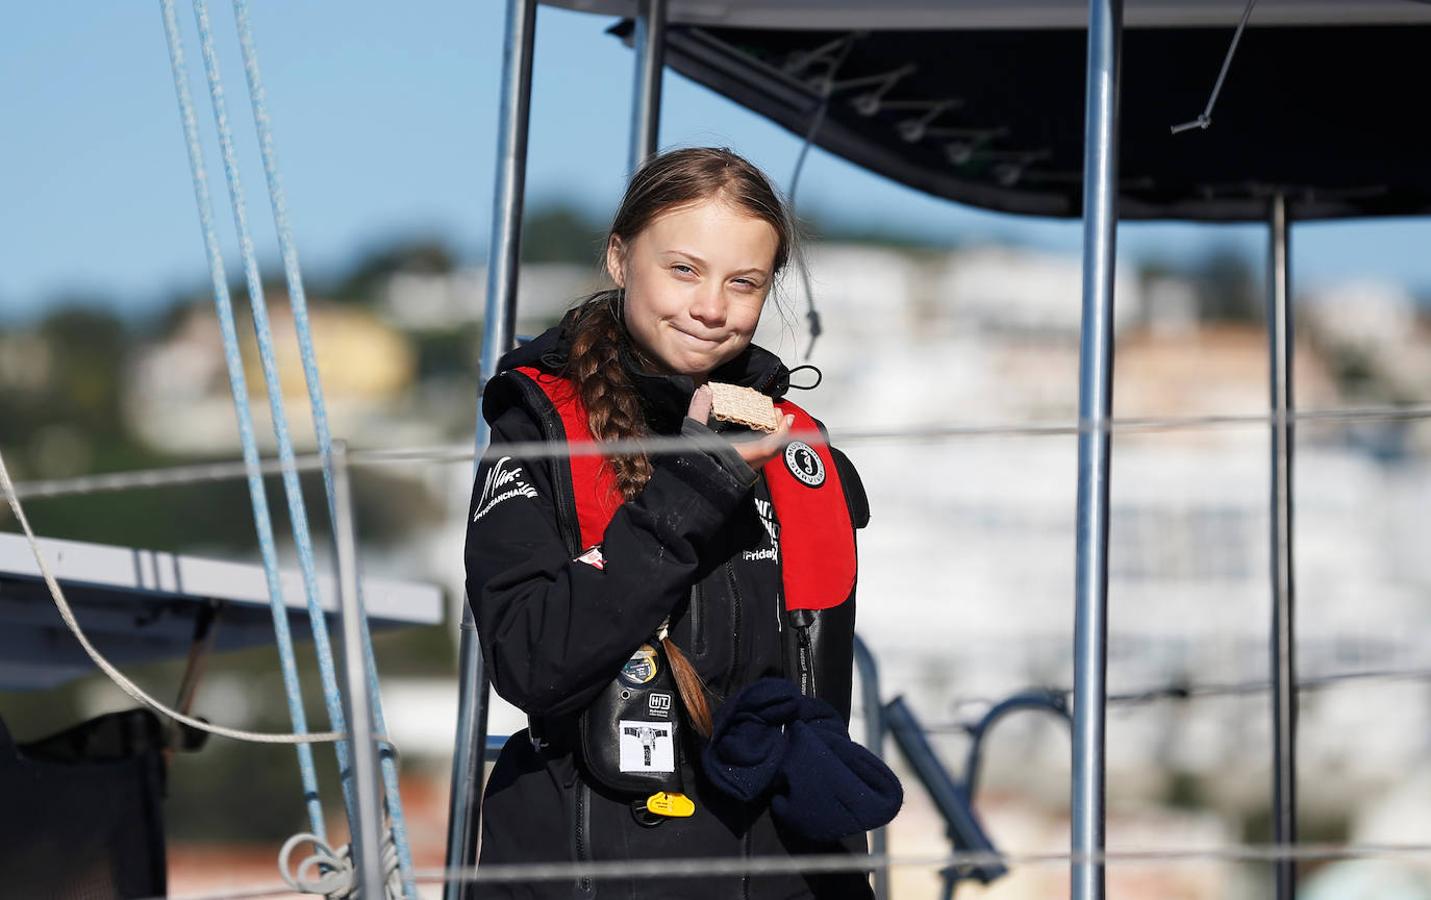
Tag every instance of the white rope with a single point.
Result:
(118, 677)
(331, 872)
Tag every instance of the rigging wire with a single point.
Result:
(173, 476)
(238, 388)
(300, 737)
(1192, 691)
(1204, 119)
(703, 867)
(292, 489)
(298, 302)
(827, 89)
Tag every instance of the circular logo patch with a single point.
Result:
(804, 463)
(641, 667)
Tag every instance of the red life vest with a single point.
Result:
(817, 537)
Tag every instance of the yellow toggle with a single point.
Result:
(675, 805)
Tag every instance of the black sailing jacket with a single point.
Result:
(699, 545)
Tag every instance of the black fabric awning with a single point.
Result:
(1328, 115)
(140, 606)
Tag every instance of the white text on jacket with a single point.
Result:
(502, 483)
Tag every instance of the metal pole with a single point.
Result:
(464, 808)
(505, 247)
(1283, 649)
(367, 838)
(646, 106)
(874, 742)
(503, 258)
(1095, 395)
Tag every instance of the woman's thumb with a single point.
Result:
(701, 402)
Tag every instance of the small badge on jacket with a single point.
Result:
(804, 463)
(641, 667)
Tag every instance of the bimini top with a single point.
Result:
(140, 606)
(1023, 14)
(981, 101)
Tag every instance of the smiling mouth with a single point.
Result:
(710, 342)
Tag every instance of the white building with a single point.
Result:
(967, 567)
(418, 301)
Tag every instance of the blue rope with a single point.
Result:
(299, 300)
(298, 516)
(237, 384)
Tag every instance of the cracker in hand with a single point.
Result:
(743, 406)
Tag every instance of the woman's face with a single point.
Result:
(695, 278)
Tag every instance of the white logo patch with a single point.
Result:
(767, 518)
(804, 463)
(503, 483)
(647, 747)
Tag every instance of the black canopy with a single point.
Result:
(1324, 113)
(139, 606)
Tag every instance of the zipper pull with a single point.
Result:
(670, 804)
(801, 620)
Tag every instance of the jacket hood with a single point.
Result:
(664, 397)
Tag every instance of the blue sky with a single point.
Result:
(385, 122)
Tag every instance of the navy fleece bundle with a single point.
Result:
(822, 785)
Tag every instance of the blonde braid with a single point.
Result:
(613, 408)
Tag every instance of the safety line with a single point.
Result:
(708, 866)
(1229, 689)
(172, 476)
(293, 491)
(1196, 692)
(779, 865)
(302, 738)
(263, 520)
(298, 300)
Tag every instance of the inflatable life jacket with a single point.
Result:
(817, 534)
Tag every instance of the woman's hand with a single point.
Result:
(756, 451)
(762, 450)
(701, 402)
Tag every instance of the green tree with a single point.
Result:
(361, 283)
(561, 234)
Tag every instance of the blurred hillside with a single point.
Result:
(966, 568)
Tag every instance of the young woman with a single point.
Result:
(620, 600)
